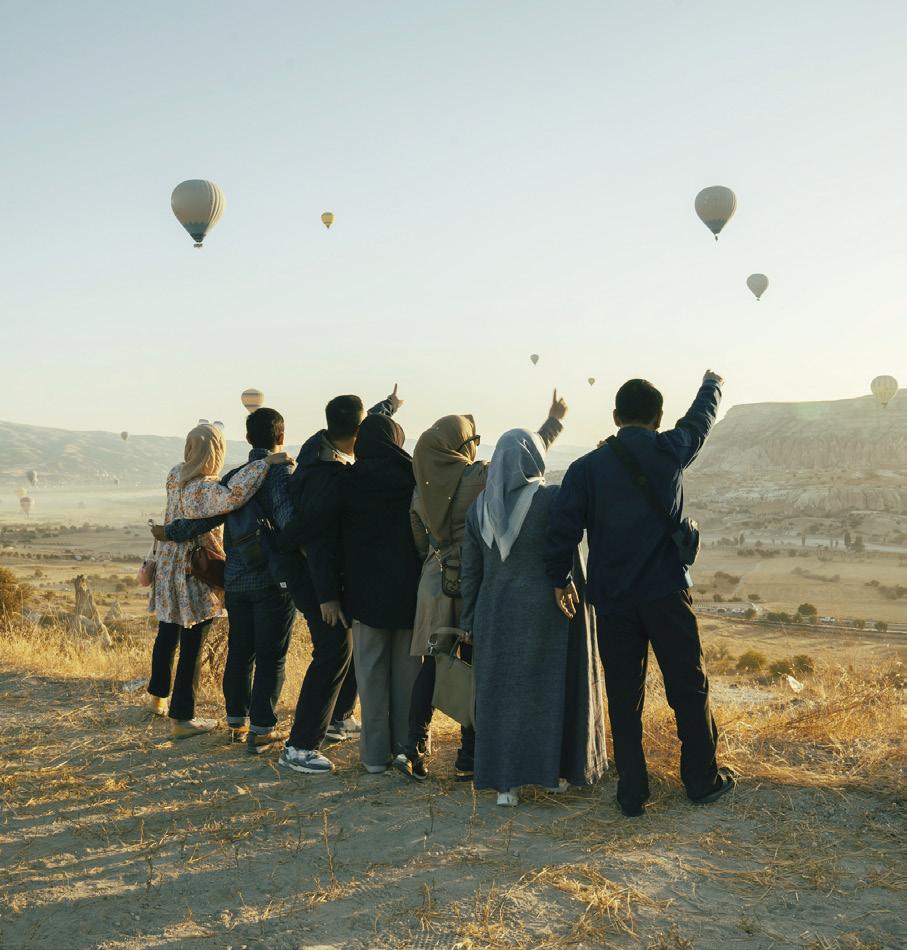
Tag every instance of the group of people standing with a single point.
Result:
(383, 552)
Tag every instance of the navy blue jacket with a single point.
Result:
(632, 559)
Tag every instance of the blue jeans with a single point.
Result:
(261, 623)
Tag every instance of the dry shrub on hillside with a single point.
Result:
(13, 597)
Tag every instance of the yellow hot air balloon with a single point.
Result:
(124, 436)
(884, 388)
(21, 492)
(715, 206)
(535, 359)
(758, 284)
(253, 399)
(198, 205)
(327, 219)
(591, 380)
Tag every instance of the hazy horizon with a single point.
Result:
(506, 180)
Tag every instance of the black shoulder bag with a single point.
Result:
(685, 533)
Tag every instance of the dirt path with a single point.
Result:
(112, 836)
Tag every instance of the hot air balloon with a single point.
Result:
(32, 477)
(327, 219)
(116, 483)
(715, 206)
(591, 380)
(26, 504)
(21, 492)
(253, 399)
(535, 359)
(884, 388)
(124, 436)
(758, 284)
(198, 205)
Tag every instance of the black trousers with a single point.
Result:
(670, 626)
(421, 709)
(188, 667)
(328, 690)
(261, 623)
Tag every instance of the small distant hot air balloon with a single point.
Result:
(116, 483)
(21, 492)
(535, 359)
(591, 380)
(253, 399)
(715, 206)
(124, 435)
(327, 219)
(26, 504)
(32, 477)
(758, 284)
(884, 388)
(198, 205)
(218, 425)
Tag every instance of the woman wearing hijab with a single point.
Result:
(539, 712)
(185, 606)
(378, 568)
(448, 479)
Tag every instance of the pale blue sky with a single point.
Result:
(507, 178)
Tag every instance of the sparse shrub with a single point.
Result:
(753, 597)
(751, 662)
(781, 667)
(13, 596)
(803, 664)
(860, 624)
(749, 613)
(807, 610)
(881, 626)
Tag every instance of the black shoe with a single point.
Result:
(631, 809)
(411, 767)
(726, 783)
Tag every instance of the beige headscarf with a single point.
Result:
(439, 460)
(204, 453)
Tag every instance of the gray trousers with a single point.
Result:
(385, 673)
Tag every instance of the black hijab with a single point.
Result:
(380, 454)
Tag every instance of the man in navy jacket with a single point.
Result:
(639, 585)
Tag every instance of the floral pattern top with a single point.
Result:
(176, 596)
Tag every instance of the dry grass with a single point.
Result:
(211, 847)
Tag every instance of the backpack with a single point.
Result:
(254, 537)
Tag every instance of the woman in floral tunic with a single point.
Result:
(185, 606)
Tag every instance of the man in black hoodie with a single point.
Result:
(328, 693)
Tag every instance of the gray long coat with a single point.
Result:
(539, 707)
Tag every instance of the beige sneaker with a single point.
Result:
(239, 733)
(258, 742)
(158, 706)
(184, 728)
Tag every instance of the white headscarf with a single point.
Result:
(515, 474)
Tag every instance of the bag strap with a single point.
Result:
(431, 538)
(638, 476)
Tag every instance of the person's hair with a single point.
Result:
(344, 416)
(638, 401)
(264, 428)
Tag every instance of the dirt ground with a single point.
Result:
(114, 836)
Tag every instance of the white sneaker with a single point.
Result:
(374, 769)
(307, 761)
(344, 729)
(508, 799)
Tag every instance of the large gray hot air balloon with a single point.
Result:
(198, 205)
(591, 380)
(715, 206)
(26, 503)
(534, 358)
(253, 399)
(124, 436)
(758, 284)
(32, 477)
(884, 388)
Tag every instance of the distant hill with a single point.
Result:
(62, 457)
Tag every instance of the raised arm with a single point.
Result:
(471, 568)
(568, 520)
(687, 438)
(387, 407)
(553, 426)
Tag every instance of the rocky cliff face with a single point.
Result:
(817, 457)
